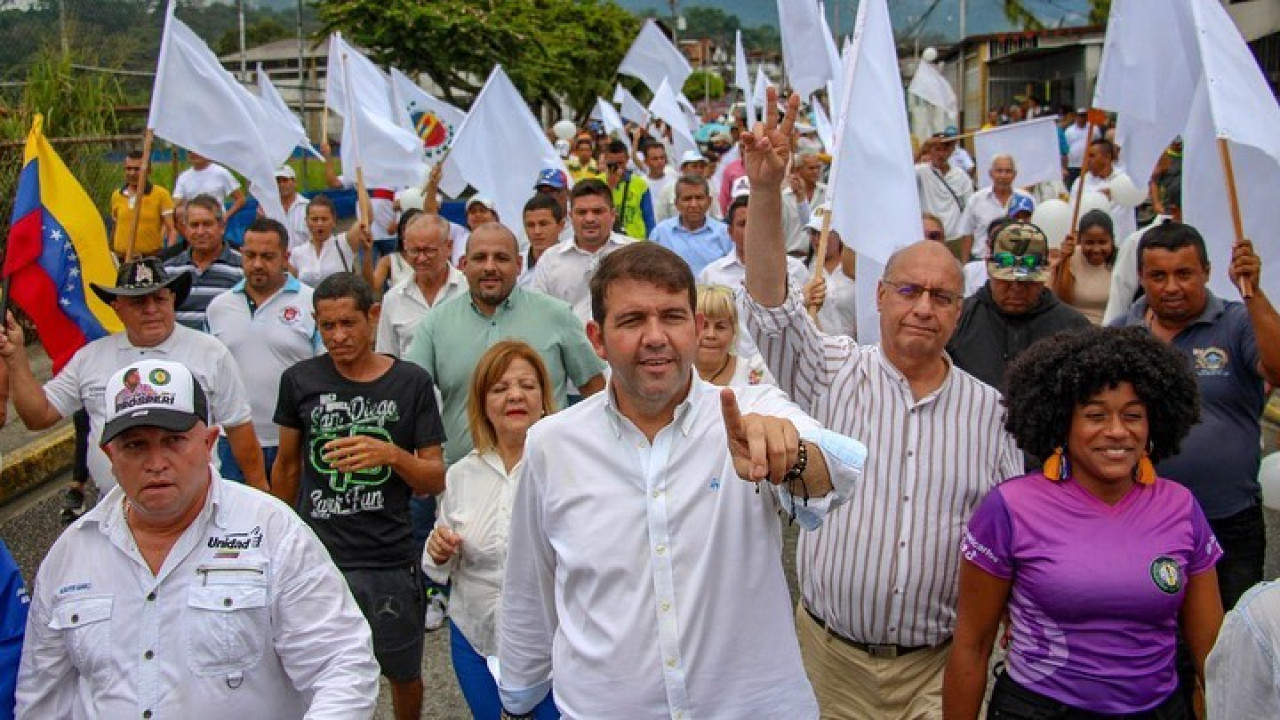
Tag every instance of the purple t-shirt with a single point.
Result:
(1096, 587)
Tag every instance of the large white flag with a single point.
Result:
(289, 124)
(629, 107)
(608, 116)
(804, 50)
(501, 149)
(434, 121)
(759, 96)
(198, 105)
(372, 137)
(822, 124)
(833, 58)
(741, 76)
(929, 85)
(874, 202)
(666, 107)
(653, 58)
(1033, 145)
(1204, 84)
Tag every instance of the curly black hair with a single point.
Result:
(1051, 378)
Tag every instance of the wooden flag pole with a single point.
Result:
(820, 262)
(141, 194)
(1224, 152)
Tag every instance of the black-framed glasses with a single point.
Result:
(911, 292)
(1009, 261)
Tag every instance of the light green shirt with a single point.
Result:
(454, 334)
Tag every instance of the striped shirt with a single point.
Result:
(883, 568)
(222, 274)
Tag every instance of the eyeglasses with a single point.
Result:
(911, 292)
(935, 235)
(1009, 261)
(415, 253)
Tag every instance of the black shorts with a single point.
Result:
(393, 602)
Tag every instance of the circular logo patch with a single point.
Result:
(159, 377)
(1166, 574)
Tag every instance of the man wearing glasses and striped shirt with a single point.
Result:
(878, 579)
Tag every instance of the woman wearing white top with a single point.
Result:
(326, 253)
(510, 390)
(717, 360)
(394, 268)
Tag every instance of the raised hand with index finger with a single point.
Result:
(762, 447)
(766, 149)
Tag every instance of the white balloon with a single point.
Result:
(929, 54)
(1269, 478)
(564, 129)
(1053, 217)
(411, 198)
(1094, 201)
(1125, 192)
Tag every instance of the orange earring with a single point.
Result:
(1145, 472)
(1056, 467)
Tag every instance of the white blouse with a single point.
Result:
(335, 256)
(476, 504)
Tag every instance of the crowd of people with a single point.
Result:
(579, 433)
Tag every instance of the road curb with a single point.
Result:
(36, 462)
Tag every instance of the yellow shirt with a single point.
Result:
(155, 206)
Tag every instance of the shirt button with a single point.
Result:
(226, 602)
(893, 629)
(75, 618)
(148, 654)
(902, 543)
(666, 606)
(661, 549)
(911, 453)
(657, 493)
(146, 715)
(671, 663)
(151, 596)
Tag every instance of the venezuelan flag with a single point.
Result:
(57, 246)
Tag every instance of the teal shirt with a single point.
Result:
(453, 335)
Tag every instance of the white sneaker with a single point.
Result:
(437, 609)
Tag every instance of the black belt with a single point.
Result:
(882, 652)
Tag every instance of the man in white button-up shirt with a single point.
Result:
(181, 596)
(427, 246)
(644, 579)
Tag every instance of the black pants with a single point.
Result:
(1011, 701)
(1243, 538)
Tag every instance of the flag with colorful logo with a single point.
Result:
(57, 246)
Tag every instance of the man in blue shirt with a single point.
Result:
(14, 602)
(691, 234)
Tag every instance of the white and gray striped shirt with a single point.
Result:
(883, 568)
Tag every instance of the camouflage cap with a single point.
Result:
(1019, 252)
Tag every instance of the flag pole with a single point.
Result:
(819, 265)
(1088, 140)
(1224, 152)
(141, 195)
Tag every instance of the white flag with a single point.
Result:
(289, 123)
(198, 105)
(1207, 85)
(1033, 145)
(372, 136)
(612, 122)
(741, 77)
(434, 121)
(630, 107)
(822, 124)
(653, 58)
(804, 51)
(501, 149)
(875, 206)
(929, 85)
(833, 58)
(666, 107)
(759, 96)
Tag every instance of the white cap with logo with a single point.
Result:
(153, 393)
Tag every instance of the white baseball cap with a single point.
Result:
(153, 393)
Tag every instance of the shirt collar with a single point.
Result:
(896, 376)
(505, 305)
(109, 512)
(683, 417)
(291, 285)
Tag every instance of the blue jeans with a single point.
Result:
(231, 469)
(477, 683)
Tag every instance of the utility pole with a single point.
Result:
(964, 24)
(675, 21)
(62, 26)
(244, 63)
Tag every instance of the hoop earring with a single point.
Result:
(1057, 468)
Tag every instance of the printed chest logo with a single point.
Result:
(1166, 574)
(290, 315)
(1211, 361)
(332, 419)
(236, 541)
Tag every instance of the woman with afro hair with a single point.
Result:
(1098, 562)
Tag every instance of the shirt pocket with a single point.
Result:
(228, 620)
(85, 626)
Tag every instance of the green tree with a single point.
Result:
(709, 22)
(551, 49)
(704, 85)
(262, 31)
(1017, 13)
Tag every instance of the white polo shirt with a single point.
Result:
(564, 272)
(266, 341)
(404, 305)
(982, 210)
(83, 382)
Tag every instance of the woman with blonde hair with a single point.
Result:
(717, 359)
(510, 391)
